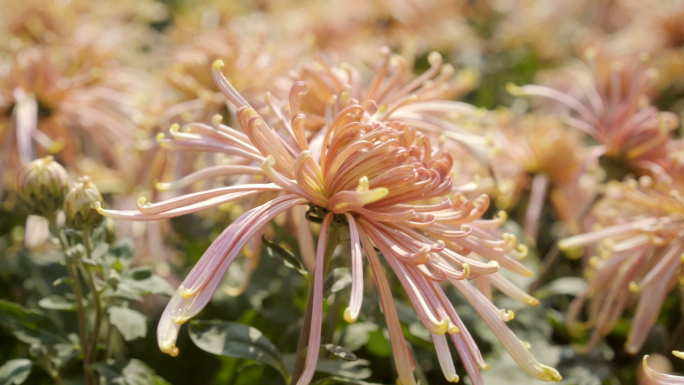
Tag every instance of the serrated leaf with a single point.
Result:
(236, 340)
(288, 258)
(15, 372)
(129, 372)
(341, 352)
(57, 302)
(130, 323)
(29, 326)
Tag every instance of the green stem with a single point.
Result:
(97, 300)
(78, 293)
(300, 360)
(108, 342)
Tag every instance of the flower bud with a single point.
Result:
(41, 185)
(79, 205)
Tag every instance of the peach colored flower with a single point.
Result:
(635, 254)
(609, 102)
(52, 101)
(533, 158)
(389, 186)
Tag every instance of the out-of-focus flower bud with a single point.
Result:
(41, 185)
(80, 203)
(113, 279)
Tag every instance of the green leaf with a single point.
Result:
(141, 273)
(155, 285)
(562, 286)
(378, 345)
(133, 289)
(129, 372)
(355, 370)
(57, 302)
(356, 335)
(341, 352)
(130, 323)
(121, 255)
(99, 251)
(339, 279)
(15, 372)
(236, 340)
(29, 326)
(288, 258)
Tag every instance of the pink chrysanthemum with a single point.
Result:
(386, 183)
(533, 158)
(638, 242)
(53, 100)
(609, 102)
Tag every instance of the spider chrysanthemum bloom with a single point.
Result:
(637, 254)
(533, 158)
(609, 102)
(386, 183)
(52, 101)
(398, 93)
(250, 67)
(104, 29)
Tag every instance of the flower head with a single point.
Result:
(79, 205)
(636, 253)
(609, 102)
(42, 185)
(51, 102)
(533, 158)
(388, 185)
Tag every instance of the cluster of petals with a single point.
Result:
(609, 101)
(532, 157)
(51, 99)
(636, 249)
(383, 179)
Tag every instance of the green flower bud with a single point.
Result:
(41, 185)
(80, 203)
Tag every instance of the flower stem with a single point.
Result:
(333, 241)
(75, 284)
(97, 300)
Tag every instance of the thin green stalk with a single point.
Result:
(97, 299)
(78, 292)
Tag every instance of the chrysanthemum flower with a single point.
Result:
(639, 242)
(609, 102)
(398, 93)
(533, 158)
(389, 186)
(245, 58)
(104, 29)
(52, 101)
